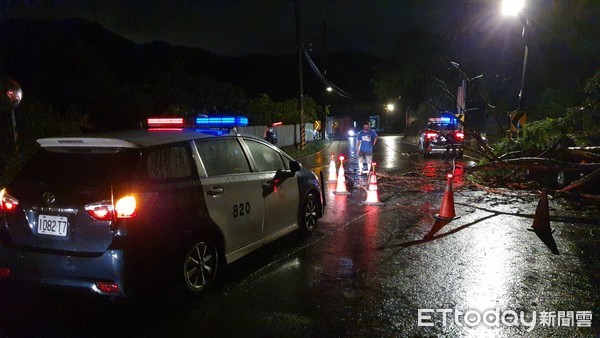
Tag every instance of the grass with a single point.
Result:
(311, 148)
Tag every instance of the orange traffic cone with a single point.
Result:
(447, 207)
(541, 221)
(341, 180)
(332, 170)
(372, 194)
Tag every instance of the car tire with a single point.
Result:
(309, 213)
(199, 267)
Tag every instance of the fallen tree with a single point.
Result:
(562, 167)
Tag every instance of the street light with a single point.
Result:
(388, 108)
(514, 8)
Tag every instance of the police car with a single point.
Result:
(441, 135)
(125, 212)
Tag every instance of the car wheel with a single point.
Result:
(309, 216)
(200, 266)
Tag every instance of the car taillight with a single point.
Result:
(106, 287)
(102, 211)
(124, 207)
(430, 135)
(7, 202)
(459, 136)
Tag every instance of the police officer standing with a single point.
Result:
(269, 135)
(365, 140)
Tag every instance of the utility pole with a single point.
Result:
(525, 54)
(300, 44)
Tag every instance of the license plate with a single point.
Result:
(53, 225)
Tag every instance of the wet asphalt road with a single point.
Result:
(367, 270)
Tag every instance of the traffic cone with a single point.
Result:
(332, 170)
(372, 194)
(541, 221)
(341, 180)
(447, 207)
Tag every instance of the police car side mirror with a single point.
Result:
(282, 175)
(295, 166)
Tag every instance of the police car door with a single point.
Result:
(233, 193)
(282, 200)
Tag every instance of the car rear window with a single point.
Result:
(170, 163)
(77, 168)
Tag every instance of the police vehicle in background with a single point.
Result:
(125, 212)
(442, 136)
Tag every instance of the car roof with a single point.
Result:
(128, 139)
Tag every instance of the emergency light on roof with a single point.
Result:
(221, 121)
(442, 120)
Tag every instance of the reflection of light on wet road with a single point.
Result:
(320, 160)
(357, 247)
(345, 267)
(371, 233)
(429, 170)
(393, 153)
(291, 264)
(335, 203)
(352, 144)
(458, 178)
(354, 249)
(490, 274)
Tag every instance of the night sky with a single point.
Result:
(265, 26)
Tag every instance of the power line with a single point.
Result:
(320, 75)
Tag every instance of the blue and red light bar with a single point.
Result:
(216, 125)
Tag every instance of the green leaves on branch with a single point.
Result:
(262, 110)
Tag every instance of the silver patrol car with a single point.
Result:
(123, 213)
